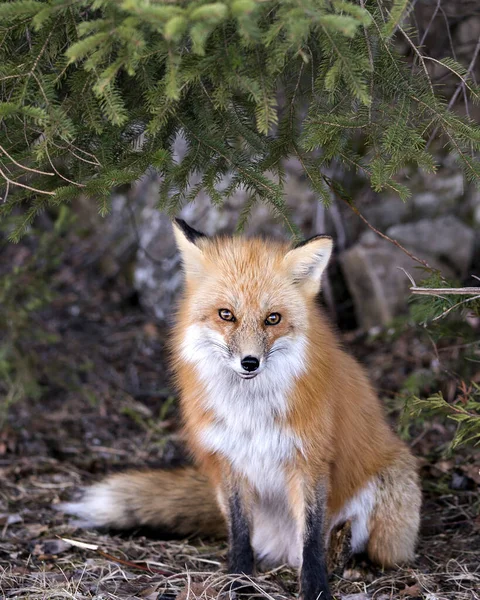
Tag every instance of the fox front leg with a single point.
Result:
(240, 558)
(314, 575)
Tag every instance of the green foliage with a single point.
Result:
(431, 310)
(443, 315)
(24, 292)
(465, 411)
(95, 91)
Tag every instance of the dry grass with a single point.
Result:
(196, 575)
(35, 562)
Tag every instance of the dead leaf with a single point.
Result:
(444, 466)
(352, 575)
(150, 330)
(46, 549)
(411, 591)
(35, 529)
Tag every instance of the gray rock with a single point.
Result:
(157, 274)
(436, 194)
(445, 238)
(384, 211)
(380, 289)
(474, 206)
(467, 33)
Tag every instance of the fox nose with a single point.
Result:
(250, 363)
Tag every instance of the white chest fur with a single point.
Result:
(259, 453)
(248, 429)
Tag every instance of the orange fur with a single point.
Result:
(329, 427)
(332, 408)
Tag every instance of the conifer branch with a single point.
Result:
(88, 79)
(460, 86)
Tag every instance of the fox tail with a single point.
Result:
(178, 501)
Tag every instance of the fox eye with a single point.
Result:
(226, 314)
(273, 319)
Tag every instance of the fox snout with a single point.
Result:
(250, 363)
(249, 353)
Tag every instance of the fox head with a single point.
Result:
(248, 302)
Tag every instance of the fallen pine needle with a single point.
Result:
(127, 563)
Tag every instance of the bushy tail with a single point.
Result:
(179, 501)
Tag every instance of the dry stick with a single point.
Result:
(427, 29)
(81, 185)
(2, 149)
(370, 58)
(382, 235)
(445, 312)
(466, 291)
(22, 185)
(420, 58)
(474, 292)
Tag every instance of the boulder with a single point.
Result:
(446, 238)
(374, 276)
(435, 194)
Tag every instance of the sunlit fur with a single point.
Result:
(308, 415)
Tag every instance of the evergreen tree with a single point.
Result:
(93, 92)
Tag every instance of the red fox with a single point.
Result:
(288, 437)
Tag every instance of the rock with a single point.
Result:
(466, 34)
(157, 274)
(372, 269)
(436, 194)
(473, 206)
(385, 211)
(445, 238)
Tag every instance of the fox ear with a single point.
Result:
(307, 261)
(187, 240)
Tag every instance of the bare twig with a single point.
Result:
(423, 291)
(134, 565)
(81, 185)
(2, 149)
(370, 59)
(474, 292)
(22, 185)
(427, 29)
(467, 74)
(420, 57)
(6, 192)
(445, 312)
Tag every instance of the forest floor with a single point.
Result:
(105, 403)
